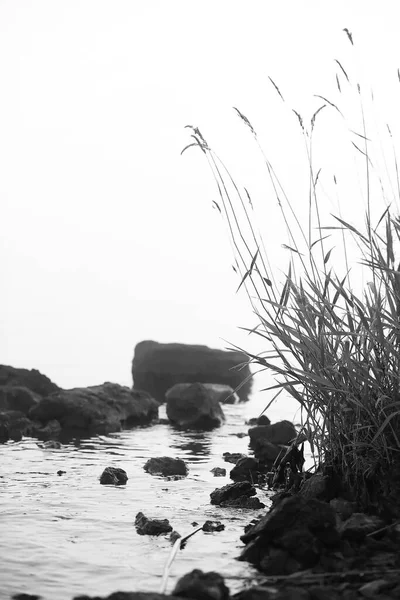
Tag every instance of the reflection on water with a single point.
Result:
(64, 535)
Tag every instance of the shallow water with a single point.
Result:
(62, 536)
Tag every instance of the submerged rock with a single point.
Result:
(157, 367)
(193, 408)
(113, 476)
(96, 409)
(166, 466)
(202, 586)
(146, 526)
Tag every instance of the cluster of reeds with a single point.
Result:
(332, 347)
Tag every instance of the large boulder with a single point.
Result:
(97, 409)
(22, 399)
(31, 379)
(193, 408)
(157, 367)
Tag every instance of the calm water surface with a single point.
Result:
(61, 536)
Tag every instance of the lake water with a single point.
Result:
(62, 536)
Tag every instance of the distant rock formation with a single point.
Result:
(157, 367)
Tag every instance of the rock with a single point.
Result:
(26, 597)
(210, 526)
(267, 453)
(157, 367)
(33, 380)
(232, 491)
(373, 588)
(220, 393)
(262, 420)
(130, 596)
(166, 466)
(50, 445)
(60, 472)
(343, 508)
(243, 502)
(14, 425)
(50, 431)
(291, 536)
(233, 457)
(264, 592)
(282, 432)
(315, 487)
(99, 409)
(359, 525)
(17, 398)
(145, 526)
(113, 476)
(218, 472)
(202, 586)
(246, 469)
(193, 408)
(174, 536)
(313, 514)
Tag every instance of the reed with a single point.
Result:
(333, 347)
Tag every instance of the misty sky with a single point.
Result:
(109, 235)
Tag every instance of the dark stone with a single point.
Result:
(359, 525)
(194, 408)
(113, 476)
(267, 453)
(282, 432)
(99, 409)
(59, 473)
(290, 512)
(301, 544)
(26, 597)
(202, 586)
(246, 469)
(243, 502)
(145, 526)
(166, 466)
(232, 491)
(213, 526)
(17, 398)
(233, 457)
(220, 393)
(129, 596)
(315, 487)
(256, 593)
(50, 431)
(14, 425)
(157, 367)
(343, 508)
(262, 420)
(218, 472)
(31, 379)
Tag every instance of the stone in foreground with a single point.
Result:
(202, 586)
(157, 367)
(232, 491)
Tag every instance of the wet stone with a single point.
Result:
(232, 491)
(166, 466)
(233, 457)
(146, 526)
(218, 472)
(202, 586)
(210, 526)
(113, 476)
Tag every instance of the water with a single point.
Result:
(62, 536)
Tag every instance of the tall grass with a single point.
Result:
(333, 347)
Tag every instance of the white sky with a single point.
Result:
(108, 234)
